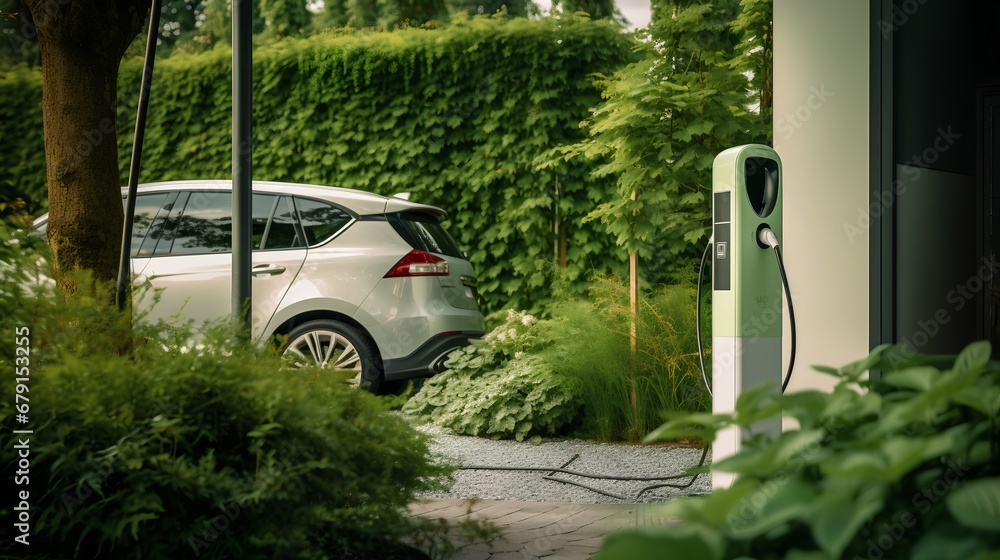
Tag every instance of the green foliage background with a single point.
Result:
(702, 86)
(905, 468)
(454, 116)
(22, 151)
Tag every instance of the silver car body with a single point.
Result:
(414, 321)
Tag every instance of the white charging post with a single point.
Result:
(746, 288)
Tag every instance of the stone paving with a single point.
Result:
(533, 530)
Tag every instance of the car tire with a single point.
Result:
(352, 350)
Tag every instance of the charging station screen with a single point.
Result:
(722, 222)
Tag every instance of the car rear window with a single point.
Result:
(320, 220)
(424, 231)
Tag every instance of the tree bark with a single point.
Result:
(82, 43)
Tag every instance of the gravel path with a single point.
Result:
(595, 458)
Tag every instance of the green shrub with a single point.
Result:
(907, 467)
(495, 388)
(526, 379)
(179, 451)
(623, 394)
(455, 116)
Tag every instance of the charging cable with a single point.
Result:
(697, 314)
(766, 238)
(551, 471)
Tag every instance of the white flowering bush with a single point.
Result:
(514, 335)
(496, 387)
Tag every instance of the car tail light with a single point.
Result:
(419, 263)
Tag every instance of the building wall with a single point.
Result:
(821, 133)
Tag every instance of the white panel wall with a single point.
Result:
(821, 132)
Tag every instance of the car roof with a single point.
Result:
(360, 202)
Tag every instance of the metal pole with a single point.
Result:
(242, 161)
(124, 270)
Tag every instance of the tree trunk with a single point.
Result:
(82, 44)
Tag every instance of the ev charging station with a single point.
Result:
(746, 288)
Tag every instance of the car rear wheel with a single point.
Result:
(337, 345)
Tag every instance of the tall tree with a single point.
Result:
(333, 14)
(179, 21)
(362, 13)
(217, 25)
(666, 117)
(597, 9)
(515, 8)
(754, 57)
(82, 44)
(414, 12)
(285, 18)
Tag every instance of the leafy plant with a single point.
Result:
(904, 467)
(508, 340)
(494, 388)
(665, 117)
(208, 451)
(623, 394)
(526, 378)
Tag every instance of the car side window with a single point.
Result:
(284, 232)
(161, 227)
(261, 210)
(206, 225)
(200, 222)
(320, 220)
(147, 206)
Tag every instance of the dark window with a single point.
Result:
(262, 208)
(284, 232)
(147, 206)
(164, 225)
(427, 233)
(320, 220)
(206, 225)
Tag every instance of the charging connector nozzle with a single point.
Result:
(766, 238)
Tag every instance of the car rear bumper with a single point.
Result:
(429, 358)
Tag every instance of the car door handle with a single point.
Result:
(267, 270)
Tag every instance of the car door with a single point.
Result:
(186, 257)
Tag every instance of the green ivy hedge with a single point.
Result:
(456, 116)
(22, 152)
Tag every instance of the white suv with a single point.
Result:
(349, 279)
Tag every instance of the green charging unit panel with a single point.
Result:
(746, 195)
(746, 288)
